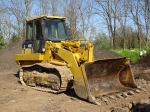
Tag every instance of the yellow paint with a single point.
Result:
(51, 17)
(27, 51)
(65, 53)
(32, 57)
(70, 53)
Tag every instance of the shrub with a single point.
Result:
(148, 50)
(1, 41)
(14, 38)
(102, 42)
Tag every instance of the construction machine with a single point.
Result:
(51, 61)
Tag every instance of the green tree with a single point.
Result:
(1, 40)
(129, 39)
(101, 41)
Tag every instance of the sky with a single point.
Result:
(98, 22)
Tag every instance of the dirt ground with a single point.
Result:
(17, 98)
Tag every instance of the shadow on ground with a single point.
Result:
(141, 108)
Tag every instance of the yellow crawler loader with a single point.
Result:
(52, 62)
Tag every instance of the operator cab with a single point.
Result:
(44, 28)
(54, 29)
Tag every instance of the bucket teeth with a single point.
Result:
(112, 97)
(97, 102)
(131, 93)
(104, 99)
(125, 94)
(141, 88)
(137, 90)
(118, 96)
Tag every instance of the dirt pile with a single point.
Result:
(17, 98)
(7, 56)
(141, 68)
(104, 54)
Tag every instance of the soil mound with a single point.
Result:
(8, 52)
(144, 61)
(7, 56)
(105, 54)
(142, 65)
(14, 97)
(8, 63)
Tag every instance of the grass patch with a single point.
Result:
(134, 55)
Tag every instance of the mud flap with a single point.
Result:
(103, 77)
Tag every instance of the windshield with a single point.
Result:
(55, 29)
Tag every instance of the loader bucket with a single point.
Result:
(109, 76)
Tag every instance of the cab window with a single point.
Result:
(55, 29)
(30, 31)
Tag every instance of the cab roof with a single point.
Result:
(51, 17)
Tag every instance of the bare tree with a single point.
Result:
(55, 5)
(28, 6)
(135, 16)
(85, 14)
(114, 16)
(18, 11)
(71, 13)
(43, 7)
(145, 6)
(107, 9)
(123, 14)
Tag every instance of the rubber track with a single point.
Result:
(63, 70)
